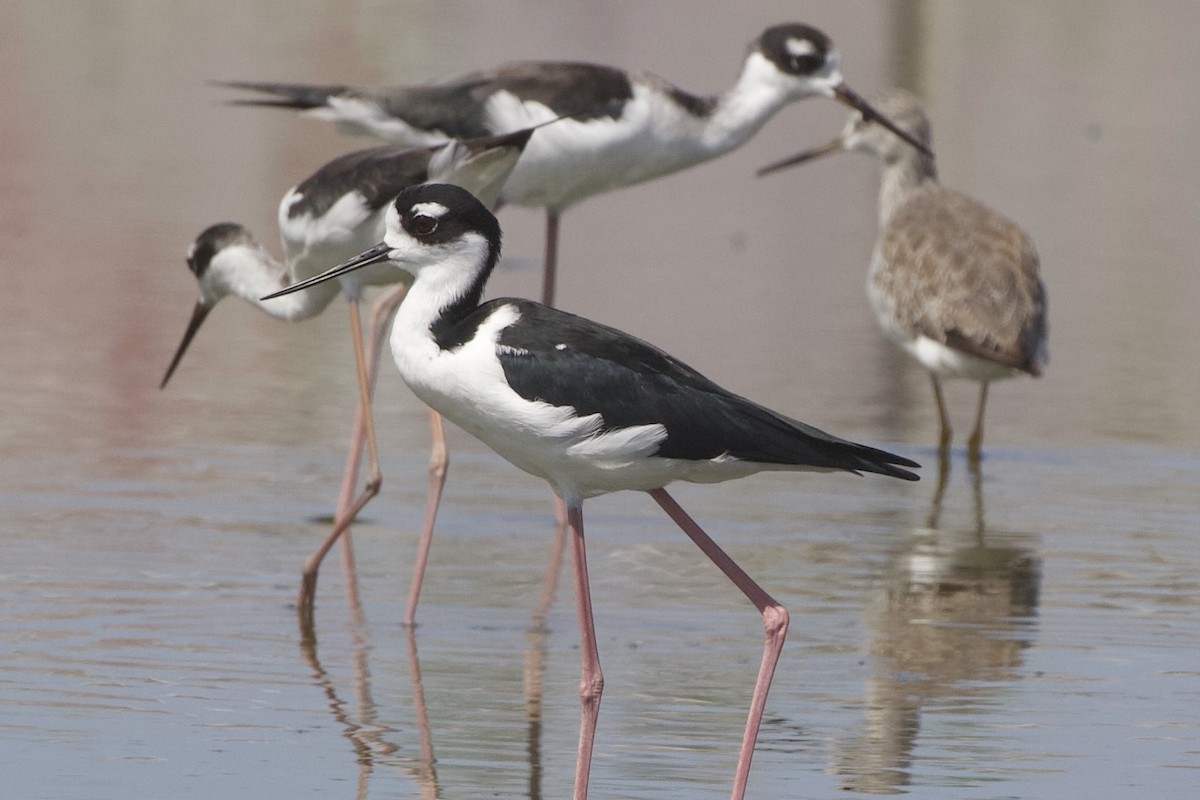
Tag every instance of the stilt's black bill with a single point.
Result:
(848, 96)
(198, 314)
(376, 254)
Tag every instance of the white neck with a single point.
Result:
(760, 91)
(446, 288)
(249, 271)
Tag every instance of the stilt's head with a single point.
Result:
(810, 62)
(429, 227)
(212, 259)
(872, 135)
(803, 55)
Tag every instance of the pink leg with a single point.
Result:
(439, 455)
(364, 430)
(591, 685)
(775, 623)
(381, 315)
(550, 265)
(550, 583)
(439, 463)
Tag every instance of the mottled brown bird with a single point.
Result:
(951, 281)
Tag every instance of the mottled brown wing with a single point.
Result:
(965, 276)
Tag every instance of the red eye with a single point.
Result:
(423, 225)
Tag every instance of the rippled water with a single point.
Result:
(1029, 631)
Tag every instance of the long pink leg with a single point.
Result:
(775, 623)
(364, 430)
(591, 684)
(439, 464)
(439, 454)
(550, 259)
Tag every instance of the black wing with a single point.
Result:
(456, 107)
(565, 360)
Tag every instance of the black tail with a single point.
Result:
(775, 438)
(298, 96)
(881, 462)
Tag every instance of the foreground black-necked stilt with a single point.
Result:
(622, 128)
(332, 214)
(587, 407)
(951, 281)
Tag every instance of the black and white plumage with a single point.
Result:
(635, 417)
(619, 128)
(951, 281)
(586, 407)
(332, 214)
(329, 216)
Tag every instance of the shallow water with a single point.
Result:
(1031, 632)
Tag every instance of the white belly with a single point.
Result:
(569, 160)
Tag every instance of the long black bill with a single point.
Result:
(845, 95)
(376, 254)
(834, 146)
(198, 314)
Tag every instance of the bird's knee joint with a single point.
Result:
(590, 689)
(438, 468)
(775, 621)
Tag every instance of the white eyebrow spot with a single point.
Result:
(800, 47)
(560, 346)
(430, 209)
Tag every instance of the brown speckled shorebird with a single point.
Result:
(951, 281)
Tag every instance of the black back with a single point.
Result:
(456, 107)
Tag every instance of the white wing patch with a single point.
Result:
(618, 447)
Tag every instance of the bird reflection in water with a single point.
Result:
(369, 737)
(949, 622)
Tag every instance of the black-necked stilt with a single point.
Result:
(951, 281)
(332, 214)
(586, 407)
(622, 128)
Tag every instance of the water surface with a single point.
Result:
(1027, 631)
